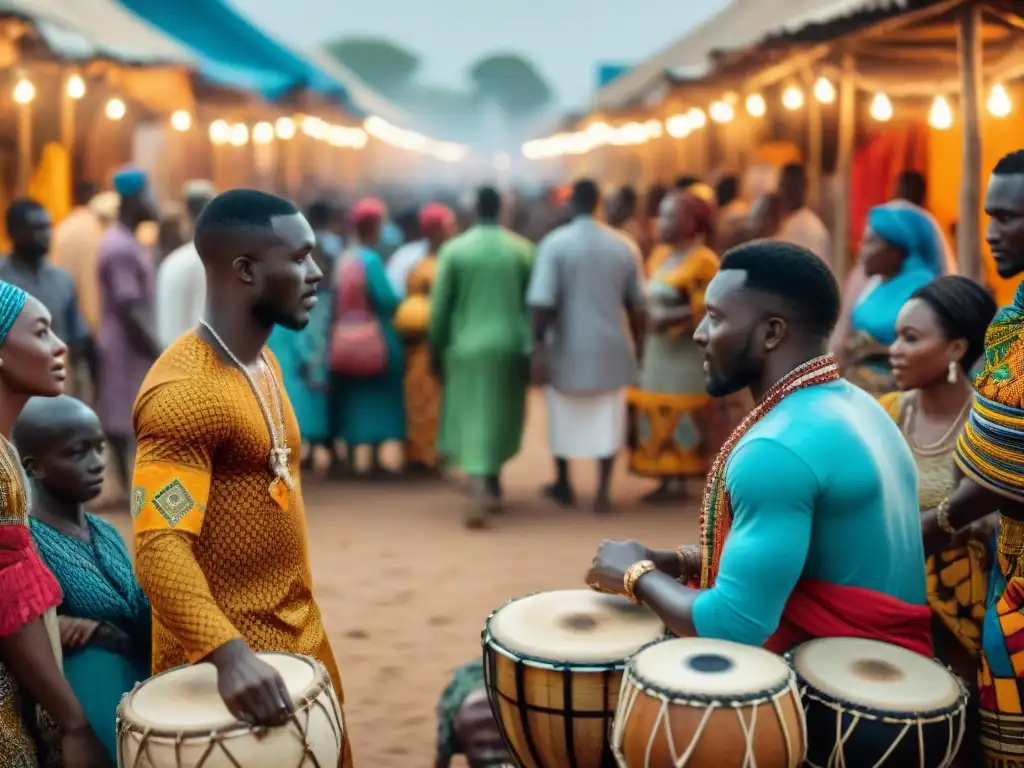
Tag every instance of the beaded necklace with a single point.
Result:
(716, 508)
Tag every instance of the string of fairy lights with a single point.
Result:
(722, 111)
(238, 134)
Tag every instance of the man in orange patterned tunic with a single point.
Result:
(220, 528)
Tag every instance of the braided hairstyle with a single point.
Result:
(964, 309)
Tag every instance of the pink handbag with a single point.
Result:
(358, 347)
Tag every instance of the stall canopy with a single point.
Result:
(739, 25)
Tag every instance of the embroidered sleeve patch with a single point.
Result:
(173, 502)
(138, 500)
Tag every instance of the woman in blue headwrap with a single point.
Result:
(901, 251)
(36, 701)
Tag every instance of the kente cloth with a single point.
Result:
(12, 299)
(467, 678)
(820, 609)
(220, 547)
(28, 591)
(480, 329)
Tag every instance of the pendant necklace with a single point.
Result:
(279, 450)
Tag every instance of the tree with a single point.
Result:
(382, 64)
(513, 82)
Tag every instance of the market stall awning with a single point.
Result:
(88, 29)
(740, 24)
(233, 50)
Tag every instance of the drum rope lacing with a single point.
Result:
(837, 758)
(627, 698)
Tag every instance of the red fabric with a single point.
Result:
(435, 217)
(367, 209)
(27, 587)
(819, 609)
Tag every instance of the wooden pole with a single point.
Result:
(813, 143)
(969, 227)
(844, 161)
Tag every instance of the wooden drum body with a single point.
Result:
(877, 705)
(553, 664)
(178, 720)
(703, 703)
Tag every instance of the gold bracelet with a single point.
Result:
(632, 576)
(686, 569)
(942, 517)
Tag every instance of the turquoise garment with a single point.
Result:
(370, 411)
(875, 313)
(99, 584)
(824, 487)
(302, 356)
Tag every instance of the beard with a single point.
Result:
(268, 315)
(737, 373)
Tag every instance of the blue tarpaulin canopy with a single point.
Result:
(232, 50)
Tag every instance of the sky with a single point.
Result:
(566, 38)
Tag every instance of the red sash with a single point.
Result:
(27, 588)
(819, 609)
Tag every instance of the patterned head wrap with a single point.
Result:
(990, 449)
(698, 206)
(466, 679)
(912, 231)
(12, 299)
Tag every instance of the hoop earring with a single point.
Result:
(952, 376)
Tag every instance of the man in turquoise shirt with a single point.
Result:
(810, 524)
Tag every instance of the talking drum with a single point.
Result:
(871, 704)
(552, 665)
(697, 702)
(178, 720)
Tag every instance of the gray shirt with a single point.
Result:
(56, 291)
(588, 273)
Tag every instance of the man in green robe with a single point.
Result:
(479, 337)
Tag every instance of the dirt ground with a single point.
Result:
(405, 589)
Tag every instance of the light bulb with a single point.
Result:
(359, 138)
(756, 106)
(653, 128)
(881, 108)
(284, 128)
(678, 126)
(721, 112)
(792, 98)
(24, 91)
(824, 91)
(697, 118)
(181, 120)
(999, 104)
(239, 135)
(75, 87)
(940, 116)
(220, 131)
(262, 133)
(116, 109)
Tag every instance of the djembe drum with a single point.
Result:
(703, 703)
(552, 665)
(178, 720)
(875, 705)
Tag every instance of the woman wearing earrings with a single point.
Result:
(940, 335)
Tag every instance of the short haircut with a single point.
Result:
(45, 419)
(242, 209)
(964, 309)
(628, 196)
(585, 195)
(911, 186)
(1011, 164)
(686, 180)
(319, 214)
(794, 171)
(18, 211)
(85, 191)
(793, 274)
(727, 190)
(488, 203)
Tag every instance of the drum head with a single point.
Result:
(876, 675)
(574, 625)
(709, 669)
(186, 698)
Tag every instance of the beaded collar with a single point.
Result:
(716, 508)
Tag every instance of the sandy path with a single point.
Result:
(405, 589)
